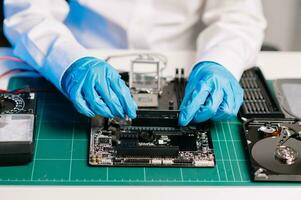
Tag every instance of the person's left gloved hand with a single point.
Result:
(212, 92)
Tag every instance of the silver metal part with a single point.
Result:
(16, 127)
(146, 99)
(285, 134)
(138, 81)
(260, 173)
(288, 93)
(286, 155)
(267, 129)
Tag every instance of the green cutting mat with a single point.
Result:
(61, 149)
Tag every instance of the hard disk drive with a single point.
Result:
(274, 147)
(273, 142)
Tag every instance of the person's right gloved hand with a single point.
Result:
(96, 88)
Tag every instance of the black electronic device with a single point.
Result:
(273, 142)
(116, 142)
(258, 100)
(153, 138)
(17, 118)
(274, 149)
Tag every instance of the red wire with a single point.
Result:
(3, 91)
(26, 90)
(13, 71)
(11, 58)
(15, 59)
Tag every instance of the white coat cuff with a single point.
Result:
(60, 58)
(226, 58)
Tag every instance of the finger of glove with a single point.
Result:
(223, 113)
(192, 102)
(211, 106)
(76, 97)
(226, 109)
(76, 77)
(192, 89)
(101, 72)
(124, 95)
(109, 97)
(94, 101)
(101, 108)
(79, 103)
(82, 107)
(238, 98)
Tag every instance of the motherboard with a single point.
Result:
(154, 137)
(116, 142)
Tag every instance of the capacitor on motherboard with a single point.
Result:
(205, 149)
(203, 136)
(177, 74)
(182, 73)
(171, 105)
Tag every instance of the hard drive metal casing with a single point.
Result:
(257, 171)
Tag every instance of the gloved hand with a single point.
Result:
(95, 88)
(212, 92)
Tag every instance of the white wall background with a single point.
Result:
(284, 24)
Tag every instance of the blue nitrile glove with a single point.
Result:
(95, 88)
(212, 92)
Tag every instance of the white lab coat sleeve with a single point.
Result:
(233, 35)
(36, 31)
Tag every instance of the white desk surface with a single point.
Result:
(273, 64)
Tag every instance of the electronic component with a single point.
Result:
(258, 100)
(17, 117)
(288, 92)
(154, 137)
(145, 88)
(117, 143)
(274, 149)
(273, 142)
(146, 100)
